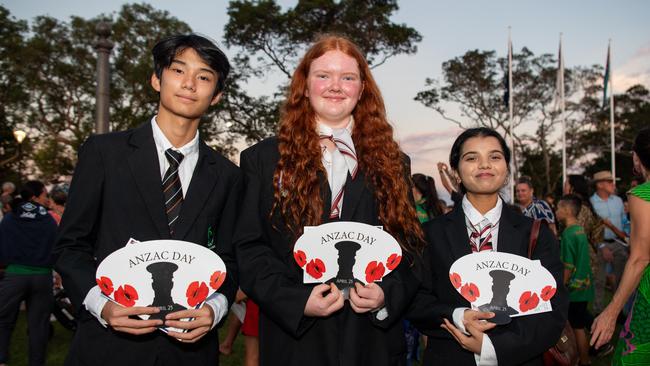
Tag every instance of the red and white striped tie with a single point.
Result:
(482, 239)
(345, 147)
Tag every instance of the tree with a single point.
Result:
(276, 38)
(590, 130)
(474, 82)
(12, 97)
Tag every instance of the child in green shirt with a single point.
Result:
(574, 252)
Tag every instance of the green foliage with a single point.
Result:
(272, 39)
(12, 96)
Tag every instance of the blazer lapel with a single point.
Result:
(353, 191)
(144, 166)
(511, 234)
(457, 233)
(203, 181)
(326, 196)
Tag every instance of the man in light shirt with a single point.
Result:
(157, 181)
(612, 250)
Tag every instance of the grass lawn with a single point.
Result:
(58, 347)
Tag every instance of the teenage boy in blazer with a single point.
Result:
(117, 194)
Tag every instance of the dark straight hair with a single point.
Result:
(427, 187)
(642, 146)
(457, 147)
(31, 189)
(166, 49)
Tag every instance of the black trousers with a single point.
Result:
(36, 290)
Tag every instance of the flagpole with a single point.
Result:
(511, 132)
(611, 109)
(561, 72)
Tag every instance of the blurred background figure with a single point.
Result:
(27, 236)
(58, 197)
(610, 208)
(449, 182)
(633, 346)
(8, 191)
(427, 203)
(531, 206)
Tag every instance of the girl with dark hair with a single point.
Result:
(427, 203)
(633, 346)
(456, 334)
(334, 158)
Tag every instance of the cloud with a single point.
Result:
(635, 70)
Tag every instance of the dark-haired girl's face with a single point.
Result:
(482, 167)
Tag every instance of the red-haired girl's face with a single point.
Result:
(334, 87)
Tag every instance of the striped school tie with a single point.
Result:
(482, 239)
(172, 189)
(343, 141)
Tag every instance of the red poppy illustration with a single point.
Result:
(455, 280)
(374, 271)
(528, 301)
(300, 258)
(196, 293)
(547, 293)
(216, 280)
(470, 292)
(315, 268)
(393, 261)
(126, 295)
(105, 284)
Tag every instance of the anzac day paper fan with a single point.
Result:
(506, 284)
(172, 275)
(346, 252)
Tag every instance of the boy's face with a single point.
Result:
(186, 87)
(563, 211)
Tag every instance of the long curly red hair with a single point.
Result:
(378, 154)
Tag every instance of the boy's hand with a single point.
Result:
(199, 326)
(118, 317)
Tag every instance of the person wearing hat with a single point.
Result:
(613, 249)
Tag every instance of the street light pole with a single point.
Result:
(19, 135)
(103, 46)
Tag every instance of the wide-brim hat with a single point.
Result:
(603, 175)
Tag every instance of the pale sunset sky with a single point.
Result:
(449, 29)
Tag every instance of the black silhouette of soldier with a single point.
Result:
(345, 278)
(499, 303)
(162, 275)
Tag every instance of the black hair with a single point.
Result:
(573, 202)
(166, 49)
(457, 147)
(579, 186)
(59, 196)
(642, 147)
(525, 180)
(31, 189)
(427, 187)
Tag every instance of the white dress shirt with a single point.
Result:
(334, 162)
(473, 219)
(337, 170)
(94, 301)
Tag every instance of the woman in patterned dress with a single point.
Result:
(633, 346)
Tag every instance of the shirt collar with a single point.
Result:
(475, 217)
(162, 143)
(326, 130)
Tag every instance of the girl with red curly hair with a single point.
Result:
(334, 158)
